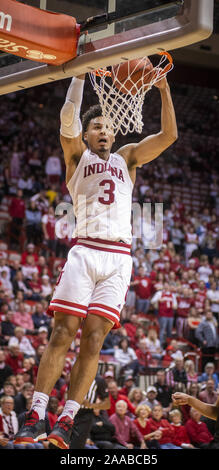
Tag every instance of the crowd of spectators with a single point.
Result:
(169, 332)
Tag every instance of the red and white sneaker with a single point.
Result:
(33, 430)
(61, 433)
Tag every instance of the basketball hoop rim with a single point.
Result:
(123, 105)
(106, 73)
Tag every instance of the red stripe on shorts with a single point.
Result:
(51, 309)
(69, 304)
(105, 315)
(105, 242)
(103, 249)
(113, 310)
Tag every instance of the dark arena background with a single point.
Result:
(139, 362)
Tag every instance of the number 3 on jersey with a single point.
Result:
(109, 188)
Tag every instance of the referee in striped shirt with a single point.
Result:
(84, 418)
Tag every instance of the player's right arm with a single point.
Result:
(211, 411)
(71, 128)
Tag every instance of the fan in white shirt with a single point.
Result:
(29, 268)
(53, 166)
(22, 340)
(124, 354)
(204, 270)
(46, 286)
(153, 343)
(213, 296)
(6, 283)
(4, 267)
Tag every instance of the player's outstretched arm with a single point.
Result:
(99, 404)
(71, 128)
(152, 146)
(211, 411)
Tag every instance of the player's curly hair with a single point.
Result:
(93, 112)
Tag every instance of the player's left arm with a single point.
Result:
(152, 146)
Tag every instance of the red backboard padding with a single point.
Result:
(36, 34)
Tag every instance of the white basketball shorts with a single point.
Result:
(95, 280)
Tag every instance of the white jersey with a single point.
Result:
(101, 192)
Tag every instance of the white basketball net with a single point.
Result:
(123, 111)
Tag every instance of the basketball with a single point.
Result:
(132, 72)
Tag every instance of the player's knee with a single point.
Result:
(61, 335)
(92, 343)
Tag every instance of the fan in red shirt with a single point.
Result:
(143, 424)
(197, 431)
(181, 437)
(159, 264)
(184, 280)
(179, 205)
(115, 395)
(63, 391)
(52, 409)
(48, 226)
(29, 251)
(201, 295)
(49, 221)
(140, 334)
(166, 234)
(192, 279)
(157, 423)
(158, 282)
(17, 213)
(14, 359)
(42, 266)
(41, 338)
(143, 355)
(143, 284)
(176, 210)
(166, 252)
(17, 207)
(175, 264)
(154, 273)
(185, 302)
(167, 358)
(131, 327)
(35, 285)
(143, 289)
(166, 302)
(128, 385)
(167, 270)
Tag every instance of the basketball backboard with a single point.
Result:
(116, 30)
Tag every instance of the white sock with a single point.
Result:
(39, 403)
(70, 409)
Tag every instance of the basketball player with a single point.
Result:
(210, 411)
(96, 276)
